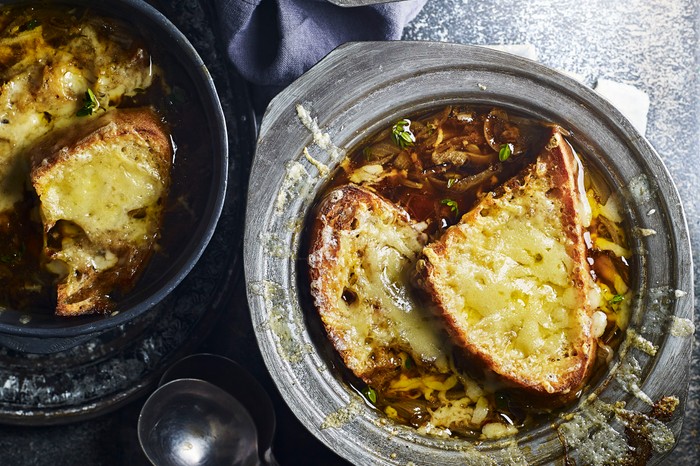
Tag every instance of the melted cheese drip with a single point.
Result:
(681, 327)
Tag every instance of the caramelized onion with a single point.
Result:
(411, 410)
(381, 152)
(474, 181)
(498, 131)
(601, 188)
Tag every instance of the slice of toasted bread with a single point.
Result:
(511, 279)
(102, 188)
(362, 255)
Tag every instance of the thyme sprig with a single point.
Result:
(401, 133)
(90, 104)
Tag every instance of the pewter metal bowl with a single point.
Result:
(199, 180)
(362, 87)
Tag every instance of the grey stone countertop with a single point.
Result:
(651, 45)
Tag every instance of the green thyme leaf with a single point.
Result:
(409, 363)
(504, 153)
(31, 24)
(401, 133)
(90, 104)
(371, 394)
(618, 298)
(452, 205)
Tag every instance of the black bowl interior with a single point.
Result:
(199, 178)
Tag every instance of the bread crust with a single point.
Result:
(557, 164)
(143, 122)
(140, 134)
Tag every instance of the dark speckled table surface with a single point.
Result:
(653, 46)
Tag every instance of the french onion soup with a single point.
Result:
(91, 112)
(470, 270)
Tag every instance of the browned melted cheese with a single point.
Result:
(48, 60)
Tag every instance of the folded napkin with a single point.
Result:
(272, 42)
(633, 103)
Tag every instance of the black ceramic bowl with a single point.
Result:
(199, 178)
(363, 87)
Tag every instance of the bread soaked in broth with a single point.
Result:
(67, 77)
(479, 165)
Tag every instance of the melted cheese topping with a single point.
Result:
(373, 263)
(511, 274)
(44, 82)
(121, 176)
(381, 278)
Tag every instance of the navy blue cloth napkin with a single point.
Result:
(272, 42)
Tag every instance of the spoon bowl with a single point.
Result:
(191, 422)
(238, 382)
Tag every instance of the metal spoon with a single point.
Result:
(190, 422)
(238, 382)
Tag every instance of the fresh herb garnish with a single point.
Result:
(371, 394)
(452, 204)
(367, 152)
(409, 363)
(401, 133)
(504, 153)
(90, 104)
(618, 298)
(31, 24)
(451, 182)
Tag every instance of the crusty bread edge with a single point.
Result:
(335, 213)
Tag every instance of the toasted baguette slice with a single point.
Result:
(102, 188)
(511, 279)
(362, 256)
